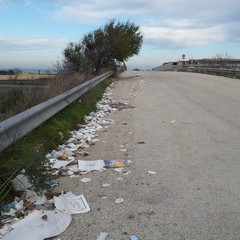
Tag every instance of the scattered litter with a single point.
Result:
(33, 197)
(44, 217)
(57, 164)
(70, 173)
(105, 185)
(71, 204)
(5, 229)
(99, 165)
(84, 137)
(83, 153)
(126, 173)
(151, 172)
(123, 150)
(95, 140)
(93, 165)
(133, 237)
(48, 223)
(19, 205)
(84, 172)
(39, 225)
(119, 163)
(102, 236)
(21, 182)
(119, 179)
(119, 200)
(173, 121)
(85, 180)
(51, 184)
(74, 168)
(74, 176)
(11, 212)
(120, 170)
(104, 197)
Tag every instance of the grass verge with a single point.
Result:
(29, 152)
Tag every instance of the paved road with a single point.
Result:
(190, 124)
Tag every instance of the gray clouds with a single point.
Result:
(177, 23)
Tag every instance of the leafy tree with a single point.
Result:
(124, 40)
(96, 49)
(110, 45)
(75, 59)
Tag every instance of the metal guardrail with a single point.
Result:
(199, 69)
(210, 70)
(21, 124)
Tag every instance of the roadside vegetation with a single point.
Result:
(29, 152)
(15, 101)
(106, 48)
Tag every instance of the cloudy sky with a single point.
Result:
(35, 32)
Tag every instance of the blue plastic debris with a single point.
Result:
(7, 207)
(133, 238)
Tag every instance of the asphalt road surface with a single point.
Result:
(189, 127)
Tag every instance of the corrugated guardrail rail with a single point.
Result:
(207, 69)
(21, 124)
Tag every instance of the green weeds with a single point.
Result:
(29, 152)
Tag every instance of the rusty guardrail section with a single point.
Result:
(21, 124)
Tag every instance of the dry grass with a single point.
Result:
(14, 102)
(26, 76)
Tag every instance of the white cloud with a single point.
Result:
(23, 43)
(95, 10)
(177, 23)
(84, 12)
(183, 37)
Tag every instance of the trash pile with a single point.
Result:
(84, 137)
(46, 218)
(50, 214)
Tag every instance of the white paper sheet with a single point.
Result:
(33, 227)
(102, 236)
(93, 165)
(57, 164)
(71, 204)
